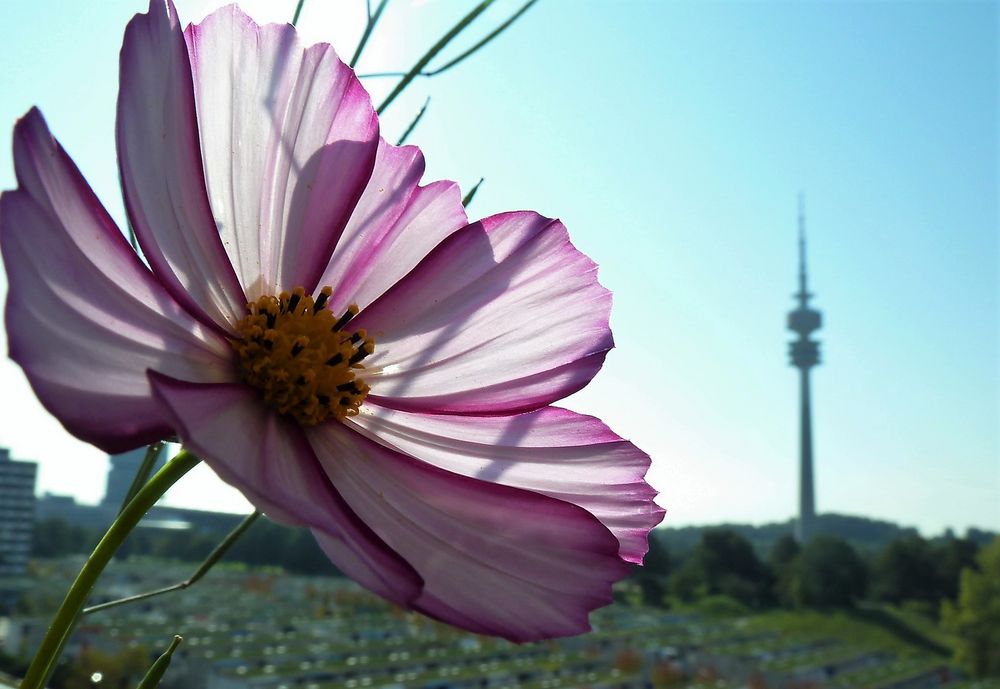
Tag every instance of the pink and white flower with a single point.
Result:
(432, 470)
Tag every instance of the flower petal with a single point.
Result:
(494, 559)
(396, 223)
(267, 458)
(552, 451)
(288, 138)
(503, 316)
(85, 319)
(162, 177)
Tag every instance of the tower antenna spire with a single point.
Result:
(803, 294)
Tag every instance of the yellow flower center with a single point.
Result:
(296, 353)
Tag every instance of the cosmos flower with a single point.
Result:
(332, 338)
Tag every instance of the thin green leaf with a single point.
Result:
(413, 124)
(448, 65)
(159, 666)
(472, 193)
(430, 54)
(298, 11)
(369, 27)
(489, 37)
(217, 553)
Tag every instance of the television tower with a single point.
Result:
(804, 352)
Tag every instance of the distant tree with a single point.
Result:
(653, 576)
(906, 569)
(186, 545)
(975, 618)
(687, 582)
(306, 557)
(980, 537)
(784, 551)
(914, 569)
(724, 563)
(657, 560)
(264, 544)
(721, 605)
(725, 553)
(782, 561)
(827, 573)
(55, 538)
(951, 556)
(867, 536)
(268, 543)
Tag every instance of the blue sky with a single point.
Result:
(672, 139)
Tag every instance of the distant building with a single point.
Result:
(122, 471)
(804, 351)
(65, 508)
(17, 513)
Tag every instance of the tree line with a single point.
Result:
(263, 544)
(951, 580)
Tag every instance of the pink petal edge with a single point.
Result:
(504, 316)
(289, 139)
(394, 226)
(85, 318)
(494, 559)
(552, 451)
(163, 181)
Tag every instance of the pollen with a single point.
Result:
(301, 357)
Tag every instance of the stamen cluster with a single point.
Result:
(298, 355)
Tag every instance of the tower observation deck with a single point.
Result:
(804, 352)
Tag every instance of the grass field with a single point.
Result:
(874, 628)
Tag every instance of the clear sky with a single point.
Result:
(672, 139)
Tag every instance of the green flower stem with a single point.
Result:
(298, 11)
(413, 124)
(159, 666)
(62, 624)
(142, 475)
(217, 553)
(369, 27)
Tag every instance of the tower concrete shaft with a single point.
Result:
(805, 526)
(804, 351)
